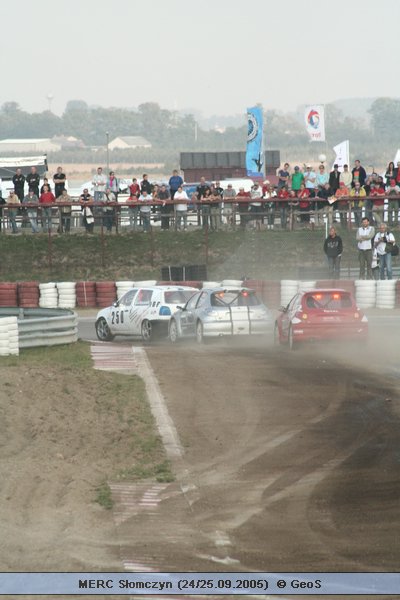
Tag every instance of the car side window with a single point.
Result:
(127, 298)
(192, 302)
(143, 297)
(202, 300)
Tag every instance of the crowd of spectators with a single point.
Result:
(305, 196)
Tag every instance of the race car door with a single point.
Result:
(121, 313)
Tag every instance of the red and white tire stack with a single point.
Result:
(48, 295)
(66, 294)
(271, 294)
(86, 294)
(106, 293)
(8, 294)
(28, 294)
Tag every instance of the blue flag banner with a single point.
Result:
(254, 152)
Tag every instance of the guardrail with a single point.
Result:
(43, 326)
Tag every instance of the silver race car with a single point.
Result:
(218, 312)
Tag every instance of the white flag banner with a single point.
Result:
(397, 158)
(315, 122)
(342, 151)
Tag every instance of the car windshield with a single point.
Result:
(234, 298)
(328, 300)
(178, 296)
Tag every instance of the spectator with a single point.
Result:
(357, 193)
(378, 194)
(181, 208)
(134, 215)
(243, 207)
(166, 209)
(19, 184)
(359, 174)
(229, 194)
(256, 208)
(113, 184)
(333, 248)
(383, 242)
(99, 184)
(397, 173)
(322, 177)
(324, 205)
(334, 178)
(33, 180)
(393, 203)
(346, 177)
(297, 179)
(65, 212)
(145, 210)
(310, 180)
(304, 204)
(86, 201)
(59, 180)
(215, 209)
(134, 188)
(46, 200)
(205, 201)
(12, 203)
(364, 237)
(390, 172)
(282, 204)
(201, 192)
(31, 198)
(145, 185)
(175, 182)
(283, 176)
(108, 209)
(45, 183)
(270, 205)
(343, 205)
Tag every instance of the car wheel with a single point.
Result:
(277, 339)
(199, 333)
(291, 343)
(173, 332)
(103, 331)
(147, 330)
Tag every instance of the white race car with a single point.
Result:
(144, 311)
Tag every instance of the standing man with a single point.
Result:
(334, 179)
(12, 203)
(59, 180)
(297, 179)
(333, 248)
(359, 174)
(201, 191)
(283, 176)
(364, 237)
(19, 184)
(99, 183)
(175, 181)
(146, 186)
(33, 180)
(383, 243)
(310, 179)
(166, 209)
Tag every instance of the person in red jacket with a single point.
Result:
(378, 194)
(46, 200)
(282, 204)
(304, 204)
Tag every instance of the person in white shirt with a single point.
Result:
(381, 241)
(346, 177)
(364, 237)
(256, 208)
(310, 180)
(181, 208)
(99, 184)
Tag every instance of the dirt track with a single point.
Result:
(292, 465)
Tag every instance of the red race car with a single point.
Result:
(317, 315)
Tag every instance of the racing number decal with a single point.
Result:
(117, 317)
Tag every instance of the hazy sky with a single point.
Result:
(219, 56)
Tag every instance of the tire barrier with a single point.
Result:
(66, 294)
(8, 294)
(86, 294)
(28, 294)
(48, 295)
(30, 327)
(289, 288)
(9, 343)
(123, 287)
(106, 293)
(365, 293)
(307, 285)
(386, 294)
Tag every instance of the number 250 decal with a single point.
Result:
(117, 317)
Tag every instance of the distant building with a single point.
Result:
(129, 142)
(32, 145)
(67, 141)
